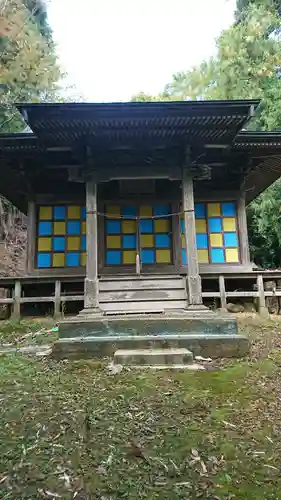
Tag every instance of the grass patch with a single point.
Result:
(71, 429)
(27, 331)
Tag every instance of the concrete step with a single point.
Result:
(152, 357)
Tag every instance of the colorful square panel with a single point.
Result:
(202, 241)
(129, 211)
(113, 227)
(74, 212)
(73, 259)
(182, 226)
(201, 226)
(230, 240)
(146, 211)
(146, 240)
(129, 257)
(113, 241)
(60, 228)
(83, 213)
(215, 225)
(83, 259)
(73, 243)
(147, 256)
(83, 243)
(184, 258)
(163, 256)
(232, 255)
(200, 211)
(161, 226)
(228, 209)
(162, 241)
(44, 244)
(128, 227)
(217, 256)
(113, 257)
(44, 260)
(83, 227)
(129, 241)
(214, 209)
(113, 210)
(229, 224)
(73, 227)
(58, 259)
(203, 256)
(216, 240)
(45, 213)
(59, 244)
(45, 228)
(146, 226)
(59, 213)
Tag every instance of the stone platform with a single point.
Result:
(207, 334)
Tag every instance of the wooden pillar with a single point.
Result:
(262, 305)
(31, 237)
(91, 300)
(222, 292)
(16, 306)
(193, 280)
(57, 300)
(243, 230)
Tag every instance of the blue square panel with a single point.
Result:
(129, 241)
(200, 211)
(73, 259)
(182, 226)
(161, 210)
(215, 225)
(73, 227)
(45, 228)
(147, 256)
(59, 244)
(183, 256)
(162, 241)
(129, 211)
(113, 257)
(113, 227)
(228, 209)
(59, 213)
(83, 243)
(230, 240)
(44, 260)
(146, 226)
(83, 213)
(217, 255)
(201, 241)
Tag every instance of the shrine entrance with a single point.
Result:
(138, 237)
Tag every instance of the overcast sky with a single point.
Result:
(112, 49)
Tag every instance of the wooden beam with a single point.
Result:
(243, 229)
(31, 237)
(17, 300)
(262, 305)
(222, 292)
(57, 301)
(193, 280)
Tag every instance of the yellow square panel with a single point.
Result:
(163, 256)
(182, 241)
(161, 226)
(44, 244)
(83, 227)
(231, 255)
(58, 260)
(113, 241)
(45, 213)
(201, 226)
(146, 241)
(203, 256)
(129, 226)
(59, 228)
(214, 209)
(129, 257)
(145, 211)
(73, 243)
(229, 224)
(83, 259)
(216, 240)
(74, 212)
(113, 210)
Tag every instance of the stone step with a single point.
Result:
(153, 357)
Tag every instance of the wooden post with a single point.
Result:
(16, 305)
(222, 292)
(262, 305)
(243, 230)
(31, 236)
(91, 302)
(193, 280)
(57, 300)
